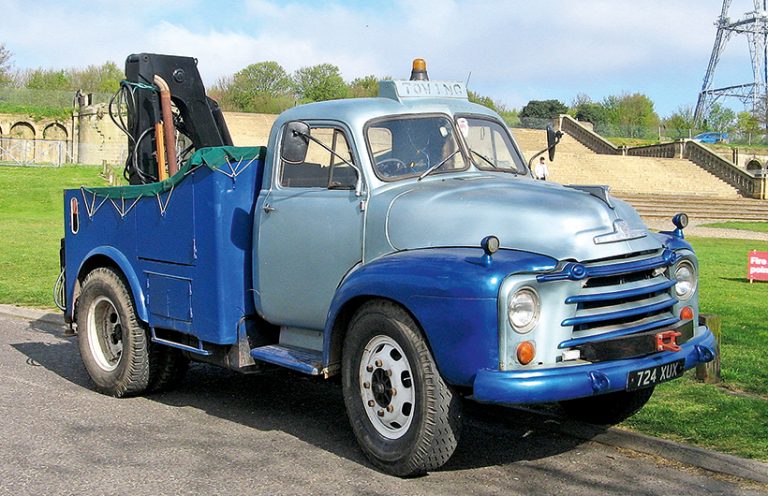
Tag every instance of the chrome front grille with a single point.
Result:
(619, 298)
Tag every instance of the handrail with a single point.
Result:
(587, 137)
(660, 150)
(748, 185)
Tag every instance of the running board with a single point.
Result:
(299, 359)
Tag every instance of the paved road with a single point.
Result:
(278, 433)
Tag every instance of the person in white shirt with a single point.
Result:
(541, 171)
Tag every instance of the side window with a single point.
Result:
(321, 168)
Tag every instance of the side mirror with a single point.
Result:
(553, 138)
(295, 144)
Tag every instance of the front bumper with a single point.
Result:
(579, 381)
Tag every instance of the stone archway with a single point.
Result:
(754, 165)
(21, 143)
(55, 131)
(53, 147)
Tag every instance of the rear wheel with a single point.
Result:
(112, 341)
(405, 417)
(607, 409)
(167, 368)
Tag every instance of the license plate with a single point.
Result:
(651, 376)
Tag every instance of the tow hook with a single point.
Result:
(666, 341)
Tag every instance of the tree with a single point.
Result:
(363, 87)
(48, 79)
(585, 110)
(221, 91)
(104, 78)
(262, 87)
(536, 112)
(720, 119)
(319, 82)
(632, 113)
(748, 125)
(5, 64)
(263, 78)
(511, 117)
(680, 122)
(485, 101)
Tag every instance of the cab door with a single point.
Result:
(310, 231)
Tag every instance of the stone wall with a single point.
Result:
(26, 140)
(99, 140)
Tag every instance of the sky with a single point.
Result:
(512, 51)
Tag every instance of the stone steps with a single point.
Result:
(639, 175)
(576, 164)
(697, 207)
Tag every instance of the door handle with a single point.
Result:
(268, 208)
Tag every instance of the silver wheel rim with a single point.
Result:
(387, 387)
(105, 333)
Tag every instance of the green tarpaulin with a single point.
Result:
(213, 158)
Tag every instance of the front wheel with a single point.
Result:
(405, 417)
(607, 409)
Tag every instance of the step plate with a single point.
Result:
(299, 359)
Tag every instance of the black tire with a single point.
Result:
(607, 409)
(113, 342)
(409, 440)
(167, 368)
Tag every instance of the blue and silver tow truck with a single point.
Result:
(400, 242)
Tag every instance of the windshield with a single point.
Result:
(490, 145)
(414, 146)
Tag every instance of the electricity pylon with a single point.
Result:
(754, 25)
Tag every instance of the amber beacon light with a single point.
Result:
(419, 70)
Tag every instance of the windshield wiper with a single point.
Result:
(492, 164)
(484, 158)
(438, 165)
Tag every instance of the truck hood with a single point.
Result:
(528, 215)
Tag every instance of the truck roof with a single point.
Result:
(358, 111)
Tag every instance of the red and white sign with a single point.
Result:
(757, 266)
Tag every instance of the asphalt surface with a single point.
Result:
(276, 433)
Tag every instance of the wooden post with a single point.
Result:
(710, 372)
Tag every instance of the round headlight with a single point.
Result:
(685, 275)
(523, 310)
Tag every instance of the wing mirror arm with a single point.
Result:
(553, 138)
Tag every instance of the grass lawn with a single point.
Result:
(744, 226)
(731, 418)
(31, 224)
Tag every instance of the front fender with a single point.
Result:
(451, 292)
(117, 257)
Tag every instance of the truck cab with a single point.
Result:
(402, 243)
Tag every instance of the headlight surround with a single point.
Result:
(686, 280)
(523, 310)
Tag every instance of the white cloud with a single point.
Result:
(515, 51)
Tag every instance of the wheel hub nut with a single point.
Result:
(390, 408)
(381, 413)
(371, 403)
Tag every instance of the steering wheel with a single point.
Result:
(391, 167)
